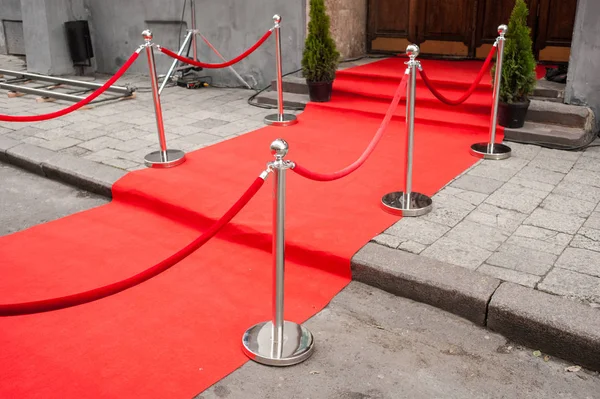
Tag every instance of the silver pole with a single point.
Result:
(278, 342)
(410, 122)
(279, 70)
(279, 119)
(174, 64)
(491, 150)
(497, 81)
(163, 158)
(409, 202)
(279, 171)
(155, 95)
(195, 47)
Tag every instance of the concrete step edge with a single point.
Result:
(290, 100)
(557, 113)
(82, 173)
(556, 325)
(533, 132)
(292, 84)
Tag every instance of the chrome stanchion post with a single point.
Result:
(279, 119)
(408, 202)
(164, 158)
(493, 150)
(278, 342)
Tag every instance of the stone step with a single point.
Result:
(556, 135)
(550, 99)
(548, 112)
(292, 84)
(290, 100)
(549, 90)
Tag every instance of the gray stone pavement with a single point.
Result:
(533, 219)
(121, 133)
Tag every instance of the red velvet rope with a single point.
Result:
(224, 64)
(400, 91)
(76, 106)
(469, 92)
(47, 305)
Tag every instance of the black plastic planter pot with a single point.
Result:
(319, 92)
(512, 115)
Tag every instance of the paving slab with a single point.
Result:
(516, 198)
(580, 260)
(543, 161)
(417, 230)
(578, 191)
(525, 260)
(476, 183)
(540, 239)
(448, 210)
(555, 221)
(479, 235)
(568, 283)
(527, 280)
(458, 253)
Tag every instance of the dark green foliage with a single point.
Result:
(518, 73)
(320, 58)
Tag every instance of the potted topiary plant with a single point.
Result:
(320, 58)
(518, 71)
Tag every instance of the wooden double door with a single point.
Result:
(467, 28)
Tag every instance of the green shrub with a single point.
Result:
(518, 71)
(320, 58)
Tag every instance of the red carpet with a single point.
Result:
(179, 333)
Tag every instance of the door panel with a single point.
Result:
(448, 20)
(492, 13)
(555, 30)
(467, 28)
(389, 25)
(557, 18)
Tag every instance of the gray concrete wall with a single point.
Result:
(583, 82)
(9, 10)
(45, 37)
(230, 25)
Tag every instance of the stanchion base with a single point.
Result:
(285, 120)
(166, 159)
(298, 344)
(396, 204)
(486, 151)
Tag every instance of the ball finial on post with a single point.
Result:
(279, 148)
(412, 51)
(502, 29)
(147, 35)
(277, 19)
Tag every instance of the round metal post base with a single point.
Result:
(166, 159)
(396, 204)
(285, 120)
(258, 345)
(489, 151)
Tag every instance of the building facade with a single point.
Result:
(562, 31)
